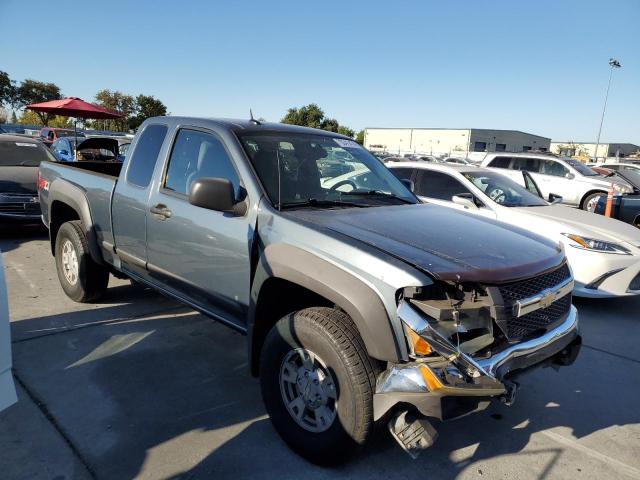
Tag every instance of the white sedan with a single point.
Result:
(603, 253)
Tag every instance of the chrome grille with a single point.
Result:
(539, 320)
(20, 208)
(532, 286)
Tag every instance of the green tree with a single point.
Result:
(313, 116)
(33, 91)
(147, 106)
(118, 102)
(342, 130)
(6, 86)
(308, 116)
(360, 137)
(29, 117)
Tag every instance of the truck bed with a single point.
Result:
(106, 168)
(69, 182)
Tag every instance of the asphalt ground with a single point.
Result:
(138, 386)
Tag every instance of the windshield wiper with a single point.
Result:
(380, 193)
(314, 202)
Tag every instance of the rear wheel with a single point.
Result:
(81, 278)
(317, 384)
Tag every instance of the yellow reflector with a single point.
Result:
(430, 378)
(419, 344)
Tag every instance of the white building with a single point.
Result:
(587, 150)
(450, 141)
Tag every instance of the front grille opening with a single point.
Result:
(539, 321)
(635, 283)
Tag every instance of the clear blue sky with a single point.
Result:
(539, 66)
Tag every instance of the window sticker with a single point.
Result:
(344, 143)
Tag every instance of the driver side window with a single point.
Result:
(549, 167)
(438, 185)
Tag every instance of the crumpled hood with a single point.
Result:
(447, 244)
(565, 219)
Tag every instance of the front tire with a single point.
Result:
(590, 202)
(81, 278)
(317, 384)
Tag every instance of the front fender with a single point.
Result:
(355, 297)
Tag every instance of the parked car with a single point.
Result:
(603, 253)
(458, 160)
(577, 184)
(7, 387)
(94, 148)
(621, 166)
(49, 135)
(20, 158)
(358, 305)
(625, 208)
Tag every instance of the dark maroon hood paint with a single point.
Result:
(447, 244)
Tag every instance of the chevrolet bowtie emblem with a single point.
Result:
(547, 299)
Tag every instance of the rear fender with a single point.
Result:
(73, 197)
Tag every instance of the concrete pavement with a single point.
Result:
(138, 386)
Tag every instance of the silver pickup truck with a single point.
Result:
(360, 304)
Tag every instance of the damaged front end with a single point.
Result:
(467, 341)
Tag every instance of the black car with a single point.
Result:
(20, 158)
(624, 207)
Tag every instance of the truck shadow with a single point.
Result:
(169, 395)
(13, 235)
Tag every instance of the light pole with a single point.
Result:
(614, 64)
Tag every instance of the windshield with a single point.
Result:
(503, 190)
(580, 167)
(325, 170)
(23, 154)
(631, 176)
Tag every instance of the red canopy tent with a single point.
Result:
(74, 107)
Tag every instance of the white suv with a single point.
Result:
(571, 179)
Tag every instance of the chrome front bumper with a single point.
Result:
(416, 384)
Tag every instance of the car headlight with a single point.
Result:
(621, 188)
(596, 245)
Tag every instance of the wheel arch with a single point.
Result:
(589, 193)
(67, 202)
(288, 279)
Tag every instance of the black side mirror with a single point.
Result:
(213, 193)
(408, 183)
(554, 198)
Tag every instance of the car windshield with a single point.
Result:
(580, 167)
(321, 171)
(23, 154)
(631, 176)
(503, 190)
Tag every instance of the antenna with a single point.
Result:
(253, 120)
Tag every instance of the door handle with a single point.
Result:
(161, 211)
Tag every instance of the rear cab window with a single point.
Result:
(145, 155)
